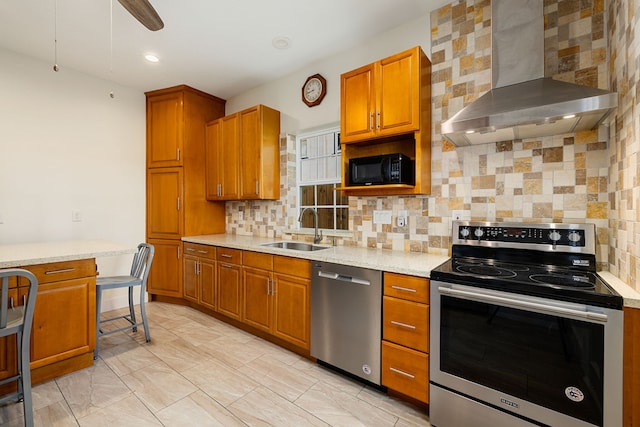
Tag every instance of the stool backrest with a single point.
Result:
(142, 261)
(30, 302)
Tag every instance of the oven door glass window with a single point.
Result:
(536, 357)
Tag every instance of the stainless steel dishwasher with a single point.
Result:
(346, 318)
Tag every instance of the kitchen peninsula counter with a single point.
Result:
(64, 321)
(20, 255)
(411, 263)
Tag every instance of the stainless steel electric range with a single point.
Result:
(523, 330)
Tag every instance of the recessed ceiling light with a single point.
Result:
(281, 42)
(569, 116)
(151, 58)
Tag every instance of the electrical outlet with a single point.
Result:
(401, 220)
(258, 216)
(76, 216)
(240, 215)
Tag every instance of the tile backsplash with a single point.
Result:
(563, 178)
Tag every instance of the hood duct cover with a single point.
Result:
(522, 103)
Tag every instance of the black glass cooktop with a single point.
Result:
(549, 281)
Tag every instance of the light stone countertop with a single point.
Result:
(411, 263)
(19, 255)
(415, 264)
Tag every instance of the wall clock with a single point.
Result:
(314, 90)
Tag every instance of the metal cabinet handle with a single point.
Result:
(398, 371)
(190, 250)
(370, 120)
(268, 286)
(178, 154)
(404, 325)
(257, 187)
(178, 252)
(11, 303)
(64, 270)
(400, 288)
(226, 266)
(178, 203)
(226, 256)
(24, 300)
(378, 120)
(202, 252)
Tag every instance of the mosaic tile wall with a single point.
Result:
(624, 167)
(562, 178)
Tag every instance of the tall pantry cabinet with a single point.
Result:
(176, 200)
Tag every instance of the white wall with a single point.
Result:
(66, 145)
(285, 94)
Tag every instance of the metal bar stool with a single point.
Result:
(138, 277)
(18, 320)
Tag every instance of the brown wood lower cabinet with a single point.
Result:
(199, 274)
(165, 277)
(230, 282)
(63, 335)
(276, 296)
(405, 334)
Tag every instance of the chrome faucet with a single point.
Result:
(317, 237)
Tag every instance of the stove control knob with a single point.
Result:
(574, 237)
(464, 232)
(554, 236)
(478, 232)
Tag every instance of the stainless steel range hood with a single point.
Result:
(522, 103)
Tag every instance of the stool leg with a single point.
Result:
(98, 303)
(143, 312)
(25, 382)
(132, 310)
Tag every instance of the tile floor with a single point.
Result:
(198, 371)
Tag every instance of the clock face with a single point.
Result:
(314, 90)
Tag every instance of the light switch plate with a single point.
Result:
(382, 217)
(76, 215)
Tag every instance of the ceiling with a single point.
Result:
(224, 48)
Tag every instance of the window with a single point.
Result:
(319, 173)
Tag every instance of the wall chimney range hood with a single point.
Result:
(522, 103)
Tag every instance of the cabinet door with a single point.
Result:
(257, 299)
(207, 272)
(229, 292)
(213, 169)
(398, 99)
(228, 157)
(357, 104)
(291, 309)
(164, 130)
(250, 153)
(165, 277)
(64, 321)
(164, 203)
(190, 283)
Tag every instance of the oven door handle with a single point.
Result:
(522, 304)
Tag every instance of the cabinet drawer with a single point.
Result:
(203, 251)
(292, 266)
(230, 256)
(65, 270)
(406, 287)
(406, 323)
(257, 260)
(406, 371)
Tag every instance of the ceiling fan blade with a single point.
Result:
(144, 12)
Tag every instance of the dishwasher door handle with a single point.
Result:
(344, 278)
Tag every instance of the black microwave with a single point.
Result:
(383, 169)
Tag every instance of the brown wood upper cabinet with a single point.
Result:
(385, 108)
(386, 98)
(243, 155)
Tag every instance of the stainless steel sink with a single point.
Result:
(296, 246)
